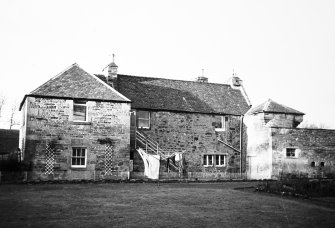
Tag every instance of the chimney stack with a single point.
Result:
(202, 78)
(110, 71)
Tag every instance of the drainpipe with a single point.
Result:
(241, 143)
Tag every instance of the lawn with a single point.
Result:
(155, 205)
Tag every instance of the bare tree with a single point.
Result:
(13, 121)
(2, 103)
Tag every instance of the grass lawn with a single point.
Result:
(153, 205)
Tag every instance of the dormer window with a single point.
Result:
(79, 111)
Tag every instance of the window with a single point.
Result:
(219, 160)
(79, 111)
(78, 159)
(290, 152)
(143, 119)
(322, 164)
(312, 164)
(210, 160)
(222, 125)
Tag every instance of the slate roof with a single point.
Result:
(270, 106)
(178, 95)
(74, 82)
(9, 141)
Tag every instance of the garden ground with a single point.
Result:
(156, 205)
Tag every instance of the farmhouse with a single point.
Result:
(83, 126)
(114, 126)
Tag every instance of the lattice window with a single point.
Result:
(109, 160)
(49, 160)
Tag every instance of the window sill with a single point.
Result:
(220, 129)
(81, 123)
(79, 168)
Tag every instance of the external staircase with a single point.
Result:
(144, 142)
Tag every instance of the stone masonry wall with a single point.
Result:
(195, 135)
(49, 123)
(312, 145)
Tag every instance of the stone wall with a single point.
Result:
(49, 124)
(312, 145)
(195, 135)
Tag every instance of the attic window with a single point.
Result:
(222, 125)
(143, 119)
(79, 111)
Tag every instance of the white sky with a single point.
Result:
(283, 50)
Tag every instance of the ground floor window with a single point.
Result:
(211, 159)
(78, 158)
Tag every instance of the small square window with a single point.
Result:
(322, 164)
(79, 111)
(312, 164)
(143, 119)
(78, 158)
(290, 152)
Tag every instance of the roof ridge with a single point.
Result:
(127, 75)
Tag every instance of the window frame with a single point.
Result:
(147, 119)
(224, 123)
(206, 160)
(85, 157)
(221, 164)
(83, 104)
(287, 152)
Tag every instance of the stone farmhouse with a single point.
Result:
(83, 126)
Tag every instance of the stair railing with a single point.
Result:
(150, 146)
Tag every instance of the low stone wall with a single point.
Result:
(315, 152)
(16, 176)
(192, 176)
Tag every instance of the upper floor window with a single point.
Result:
(78, 158)
(291, 152)
(79, 111)
(143, 119)
(222, 125)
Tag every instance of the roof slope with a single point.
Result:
(270, 106)
(184, 96)
(74, 82)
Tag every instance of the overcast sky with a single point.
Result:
(283, 50)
